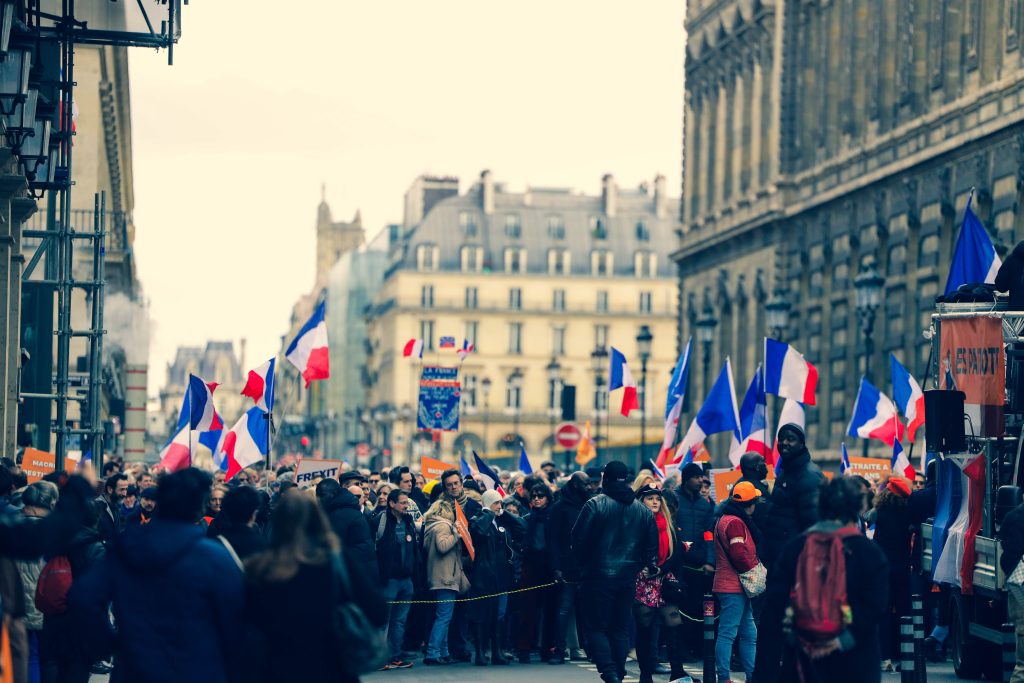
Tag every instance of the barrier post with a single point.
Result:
(1009, 648)
(709, 638)
(907, 674)
(917, 613)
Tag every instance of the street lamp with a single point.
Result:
(643, 346)
(554, 371)
(598, 361)
(405, 413)
(777, 310)
(515, 380)
(486, 384)
(706, 324)
(868, 289)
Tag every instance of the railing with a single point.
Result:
(82, 221)
(531, 308)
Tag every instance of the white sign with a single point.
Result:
(310, 470)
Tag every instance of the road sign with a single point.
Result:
(362, 449)
(568, 435)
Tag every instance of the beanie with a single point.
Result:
(489, 498)
(690, 471)
(615, 471)
(795, 428)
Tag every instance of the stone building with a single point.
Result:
(536, 280)
(216, 362)
(821, 136)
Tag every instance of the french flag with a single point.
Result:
(464, 467)
(874, 415)
(960, 494)
(467, 348)
(974, 257)
(489, 476)
(659, 473)
(718, 414)
(524, 462)
(753, 433)
(793, 413)
(260, 385)
(177, 454)
(844, 462)
(203, 416)
(248, 441)
(413, 347)
(619, 376)
(674, 405)
(787, 373)
(900, 464)
(308, 351)
(909, 397)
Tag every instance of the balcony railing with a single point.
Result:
(82, 221)
(531, 308)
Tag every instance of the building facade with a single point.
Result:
(536, 281)
(826, 137)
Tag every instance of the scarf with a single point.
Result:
(462, 499)
(663, 547)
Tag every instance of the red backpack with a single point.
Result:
(818, 598)
(53, 586)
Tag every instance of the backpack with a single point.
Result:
(53, 586)
(818, 597)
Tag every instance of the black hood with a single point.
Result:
(344, 499)
(157, 545)
(619, 491)
(575, 496)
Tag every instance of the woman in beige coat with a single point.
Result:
(445, 575)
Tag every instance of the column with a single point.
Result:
(21, 209)
(739, 108)
(690, 152)
(719, 168)
(757, 139)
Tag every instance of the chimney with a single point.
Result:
(134, 428)
(241, 358)
(660, 200)
(487, 192)
(609, 194)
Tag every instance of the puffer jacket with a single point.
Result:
(794, 503)
(352, 528)
(615, 537)
(694, 518)
(444, 556)
(564, 514)
(29, 571)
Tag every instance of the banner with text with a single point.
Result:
(431, 468)
(438, 408)
(311, 470)
(972, 355)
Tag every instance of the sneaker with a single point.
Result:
(400, 664)
(887, 666)
(577, 655)
(101, 668)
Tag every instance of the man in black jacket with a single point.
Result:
(1010, 277)
(694, 521)
(403, 479)
(397, 558)
(111, 521)
(794, 500)
(614, 539)
(563, 516)
(347, 520)
(1011, 538)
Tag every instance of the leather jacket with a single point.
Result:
(614, 540)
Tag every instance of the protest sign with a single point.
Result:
(431, 468)
(972, 356)
(438, 408)
(462, 526)
(871, 469)
(309, 470)
(37, 464)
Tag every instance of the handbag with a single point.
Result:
(360, 647)
(754, 580)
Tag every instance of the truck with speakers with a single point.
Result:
(973, 416)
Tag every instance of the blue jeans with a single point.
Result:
(437, 644)
(736, 616)
(397, 589)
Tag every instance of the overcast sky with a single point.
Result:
(262, 105)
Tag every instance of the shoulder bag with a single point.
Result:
(754, 580)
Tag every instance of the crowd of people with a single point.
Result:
(183, 576)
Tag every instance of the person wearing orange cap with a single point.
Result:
(736, 539)
(893, 536)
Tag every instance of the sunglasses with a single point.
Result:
(538, 495)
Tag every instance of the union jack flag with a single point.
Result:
(447, 342)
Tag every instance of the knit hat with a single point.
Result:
(615, 471)
(795, 428)
(899, 486)
(744, 492)
(489, 498)
(149, 493)
(690, 471)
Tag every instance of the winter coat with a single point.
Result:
(794, 503)
(137, 517)
(735, 551)
(564, 514)
(297, 617)
(615, 536)
(1011, 538)
(61, 639)
(536, 542)
(110, 522)
(177, 598)
(352, 528)
(893, 536)
(692, 520)
(443, 546)
(395, 561)
(868, 599)
(29, 571)
(494, 540)
(245, 542)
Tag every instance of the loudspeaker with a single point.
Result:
(944, 421)
(568, 403)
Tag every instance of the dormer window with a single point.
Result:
(643, 233)
(598, 228)
(601, 263)
(472, 259)
(558, 262)
(467, 223)
(556, 227)
(428, 256)
(513, 228)
(515, 260)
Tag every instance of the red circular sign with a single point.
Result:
(568, 435)
(362, 449)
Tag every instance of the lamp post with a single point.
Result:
(516, 379)
(554, 370)
(486, 384)
(777, 310)
(405, 413)
(706, 324)
(598, 360)
(868, 290)
(643, 346)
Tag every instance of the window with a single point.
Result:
(515, 298)
(600, 336)
(515, 260)
(558, 300)
(558, 340)
(558, 262)
(514, 392)
(600, 398)
(472, 259)
(598, 228)
(427, 296)
(515, 338)
(645, 264)
(427, 334)
(928, 253)
(643, 234)
(645, 302)
(554, 395)
(513, 228)
(602, 301)
(427, 256)
(467, 223)
(469, 385)
(470, 333)
(556, 227)
(601, 263)
(471, 297)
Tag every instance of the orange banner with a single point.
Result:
(462, 526)
(871, 469)
(37, 464)
(973, 355)
(431, 468)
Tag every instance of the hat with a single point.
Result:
(351, 476)
(616, 471)
(690, 471)
(429, 486)
(648, 490)
(899, 486)
(744, 492)
(793, 427)
(149, 493)
(489, 498)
